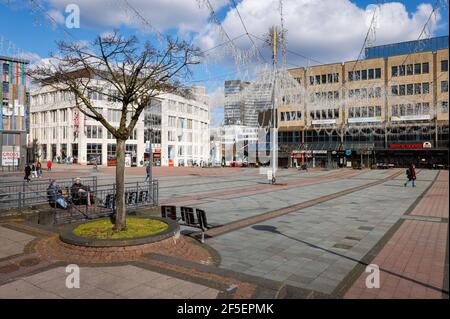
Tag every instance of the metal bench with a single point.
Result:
(190, 217)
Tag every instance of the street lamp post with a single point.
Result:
(274, 40)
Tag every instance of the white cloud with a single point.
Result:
(329, 31)
(183, 15)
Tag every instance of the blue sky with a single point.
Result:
(323, 30)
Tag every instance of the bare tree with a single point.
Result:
(122, 70)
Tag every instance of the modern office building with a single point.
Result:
(14, 112)
(390, 107)
(233, 106)
(176, 129)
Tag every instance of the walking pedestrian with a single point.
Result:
(49, 165)
(411, 175)
(33, 170)
(148, 170)
(39, 168)
(27, 173)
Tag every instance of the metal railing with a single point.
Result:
(136, 194)
(10, 168)
(41, 185)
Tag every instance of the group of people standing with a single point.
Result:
(34, 170)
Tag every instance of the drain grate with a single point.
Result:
(366, 227)
(353, 238)
(342, 246)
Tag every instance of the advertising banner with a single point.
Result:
(10, 156)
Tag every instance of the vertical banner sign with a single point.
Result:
(76, 120)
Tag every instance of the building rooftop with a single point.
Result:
(5, 58)
(392, 49)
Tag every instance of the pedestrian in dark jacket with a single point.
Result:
(411, 175)
(148, 170)
(27, 172)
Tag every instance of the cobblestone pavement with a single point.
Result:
(309, 236)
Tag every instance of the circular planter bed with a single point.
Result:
(140, 230)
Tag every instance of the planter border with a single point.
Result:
(67, 236)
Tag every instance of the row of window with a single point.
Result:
(324, 79)
(368, 74)
(365, 93)
(410, 69)
(291, 116)
(411, 109)
(410, 89)
(330, 95)
(364, 111)
(181, 107)
(324, 114)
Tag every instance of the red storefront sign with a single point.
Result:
(406, 146)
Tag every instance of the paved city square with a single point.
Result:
(311, 235)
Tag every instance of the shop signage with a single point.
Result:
(427, 145)
(348, 152)
(406, 146)
(320, 152)
(328, 121)
(10, 157)
(364, 119)
(410, 118)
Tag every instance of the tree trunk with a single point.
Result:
(120, 181)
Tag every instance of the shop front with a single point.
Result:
(300, 157)
(420, 154)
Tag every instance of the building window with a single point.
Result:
(401, 89)
(402, 70)
(311, 80)
(133, 136)
(330, 78)
(11, 139)
(444, 107)
(94, 153)
(324, 78)
(417, 68)
(93, 131)
(5, 87)
(371, 74)
(336, 77)
(444, 86)
(394, 89)
(394, 71)
(317, 79)
(5, 68)
(364, 74)
(409, 69)
(425, 88)
(357, 75)
(111, 152)
(350, 76)
(377, 73)
(417, 88)
(444, 66)
(425, 68)
(410, 89)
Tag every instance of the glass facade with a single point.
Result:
(383, 51)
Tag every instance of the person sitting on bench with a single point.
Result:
(54, 195)
(80, 193)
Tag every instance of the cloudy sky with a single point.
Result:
(317, 30)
